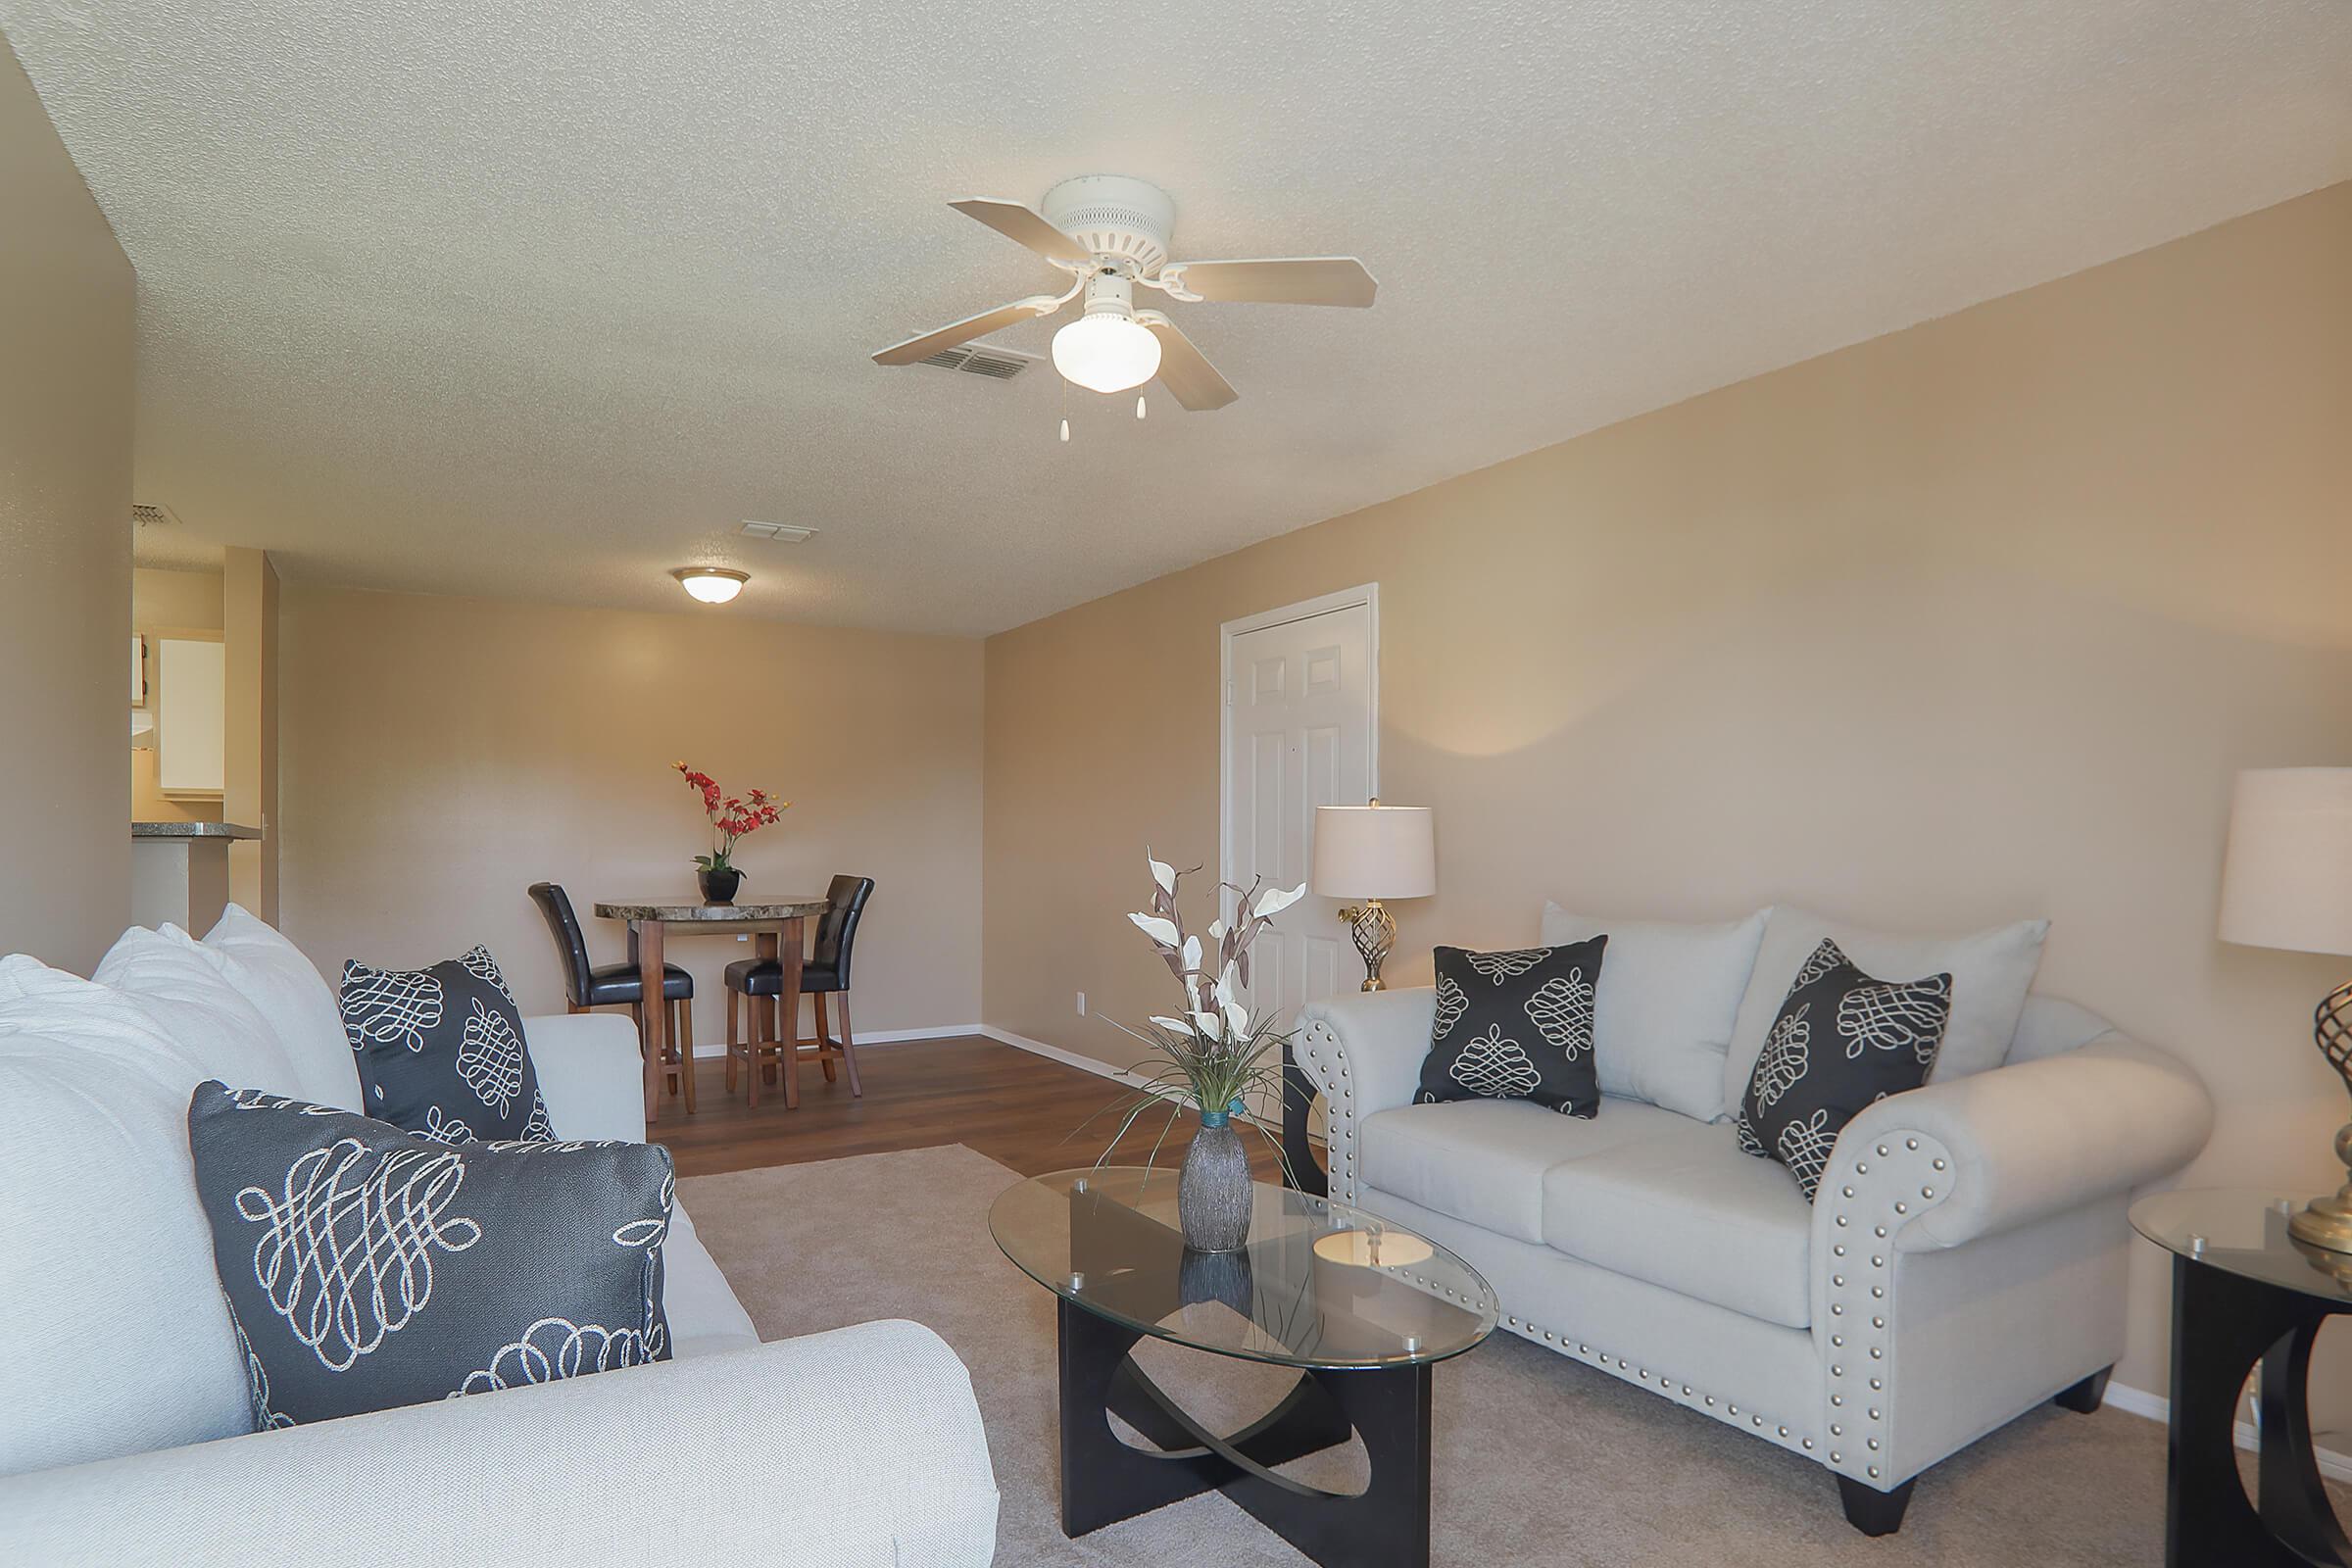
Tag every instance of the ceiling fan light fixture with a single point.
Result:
(1107, 352)
(713, 585)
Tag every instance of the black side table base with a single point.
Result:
(1307, 1174)
(1105, 1480)
(2223, 1323)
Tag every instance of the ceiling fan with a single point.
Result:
(1111, 232)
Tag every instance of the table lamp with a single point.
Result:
(1372, 852)
(2288, 883)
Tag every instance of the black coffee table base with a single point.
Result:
(1105, 1480)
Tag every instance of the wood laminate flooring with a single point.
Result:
(1013, 1106)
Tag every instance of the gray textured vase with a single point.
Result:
(1212, 1192)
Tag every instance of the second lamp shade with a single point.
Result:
(1374, 851)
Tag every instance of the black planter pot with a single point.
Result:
(718, 887)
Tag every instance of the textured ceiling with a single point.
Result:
(539, 299)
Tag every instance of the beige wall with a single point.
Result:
(441, 754)
(1969, 622)
(249, 722)
(165, 601)
(66, 363)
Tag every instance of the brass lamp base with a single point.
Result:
(2328, 1221)
(1375, 932)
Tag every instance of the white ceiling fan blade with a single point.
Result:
(1024, 226)
(918, 349)
(1184, 370)
(1292, 280)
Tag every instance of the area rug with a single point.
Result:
(1538, 1461)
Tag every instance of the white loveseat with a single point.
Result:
(1964, 1263)
(674, 1462)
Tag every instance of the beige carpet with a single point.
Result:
(1538, 1461)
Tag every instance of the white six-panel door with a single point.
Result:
(1301, 731)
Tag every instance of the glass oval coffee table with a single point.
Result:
(1363, 1308)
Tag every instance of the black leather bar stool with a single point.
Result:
(619, 985)
(826, 973)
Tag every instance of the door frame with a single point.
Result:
(1367, 595)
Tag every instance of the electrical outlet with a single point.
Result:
(1081, 1004)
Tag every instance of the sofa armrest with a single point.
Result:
(2000, 1150)
(1364, 1050)
(590, 1074)
(644, 1466)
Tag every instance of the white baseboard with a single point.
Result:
(2156, 1407)
(714, 1049)
(1069, 1059)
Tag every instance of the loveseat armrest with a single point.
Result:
(590, 1074)
(643, 1466)
(2000, 1150)
(1364, 1050)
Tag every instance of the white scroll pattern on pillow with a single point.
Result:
(347, 1255)
(1500, 967)
(1451, 1005)
(479, 964)
(490, 1058)
(1784, 1057)
(1804, 1147)
(397, 1005)
(1495, 1065)
(1893, 1017)
(1561, 1011)
(556, 1347)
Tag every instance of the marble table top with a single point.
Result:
(787, 907)
(193, 830)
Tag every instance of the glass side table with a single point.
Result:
(2245, 1291)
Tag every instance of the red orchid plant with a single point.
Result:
(731, 816)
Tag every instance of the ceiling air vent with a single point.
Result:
(154, 513)
(783, 533)
(982, 359)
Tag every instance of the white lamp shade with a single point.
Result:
(2287, 881)
(1374, 851)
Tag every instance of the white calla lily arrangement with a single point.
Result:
(1214, 1057)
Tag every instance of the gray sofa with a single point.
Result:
(858, 1446)
(1964, 1261)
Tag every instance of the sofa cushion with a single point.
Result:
(440, 1049)
(1662, 1021)
(271, 974)
(1483, 1161)
(368, 1268)
(1991, 971)
(199, 1012)
(1683, 1208)
(107, 1290)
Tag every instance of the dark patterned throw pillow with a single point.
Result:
(1516, 1026)
(367, 1268)
(441, 1051)
(1841, 1042)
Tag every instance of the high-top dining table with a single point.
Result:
(779, 927)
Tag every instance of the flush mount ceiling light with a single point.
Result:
(713, 585)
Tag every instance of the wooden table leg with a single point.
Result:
(650, 974)
(788, 1012)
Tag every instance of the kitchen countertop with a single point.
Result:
(193, 830)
